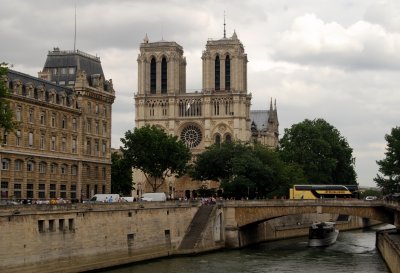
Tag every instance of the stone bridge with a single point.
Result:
(242, 218)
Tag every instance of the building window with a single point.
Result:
(64, 169)
(52, 191)
(88, 147)
(103, 148)
(53, 120)
(96, 172)
(53, 168)
(30, 166)
(73, 146)
(42, 141)
(97, 109)
(42, 190)
(18, 113)
(53, 143)
(97, 127)
(89, 107)
(63, 144)
(191, 135)
(96, 147)
(73, 191)
(63, 191)
(5, 164)
(18, 165)
(89, 126)
(164, 73)
(42, 118)
(74, 124)
(17, 190)
(29, 190)
(153, 76)
(30, 116)
(64, 122)
(4, 189)
(217, 73)
(64, 70)
(227, 73)
(30, 139)
(228, 138)
(217, 139)
(18, 138)
(42, 167)
(74, 170)
(71, 70)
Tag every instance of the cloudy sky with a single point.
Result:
(337, 60)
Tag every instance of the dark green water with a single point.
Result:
(354, 251)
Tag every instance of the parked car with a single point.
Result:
(371, 198)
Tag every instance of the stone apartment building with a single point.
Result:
(218, 112)
(61, 146)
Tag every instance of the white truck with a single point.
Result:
(154, 196)
(105, 198)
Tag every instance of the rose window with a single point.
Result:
(191, 136)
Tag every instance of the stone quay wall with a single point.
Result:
(83, 237)
(388, 244)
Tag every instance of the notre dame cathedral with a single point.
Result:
(219, 112)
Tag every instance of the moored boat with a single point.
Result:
(322, 234)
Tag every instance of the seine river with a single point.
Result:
(353, 252)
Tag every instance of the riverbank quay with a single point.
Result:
(388, 244)
(87, 237)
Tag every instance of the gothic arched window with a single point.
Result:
(227, 73)
(164, 76)
(217, 73)
(217, 139)
(153, 76)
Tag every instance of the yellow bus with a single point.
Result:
(323, 191)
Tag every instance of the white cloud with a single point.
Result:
(362, 45)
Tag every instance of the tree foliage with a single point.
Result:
(389, 167)
(6, 121)
(155, 153)
(318, 148)
(243, 170)
(121, 175)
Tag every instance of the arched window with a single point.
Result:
(217, 139)
(30, 166)
(227, 73)
(217, 74)
(164, 76)
(228, 138)
(5, 164)
(153, 76)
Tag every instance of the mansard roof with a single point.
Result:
(25, 78)
(76, 59)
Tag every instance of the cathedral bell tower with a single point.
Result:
(225, 65)
(161, 68)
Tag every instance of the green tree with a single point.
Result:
(156, 154)
(6, 121)
(243, 170)
(389, 167)
(121, 175)
(318, 148)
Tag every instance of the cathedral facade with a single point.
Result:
(219, 112)
(61, 145)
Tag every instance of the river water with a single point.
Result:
(354, 251)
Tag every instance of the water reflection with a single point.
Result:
(354, 251)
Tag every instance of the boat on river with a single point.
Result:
(322, 234)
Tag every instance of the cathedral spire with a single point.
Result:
(224, 26)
